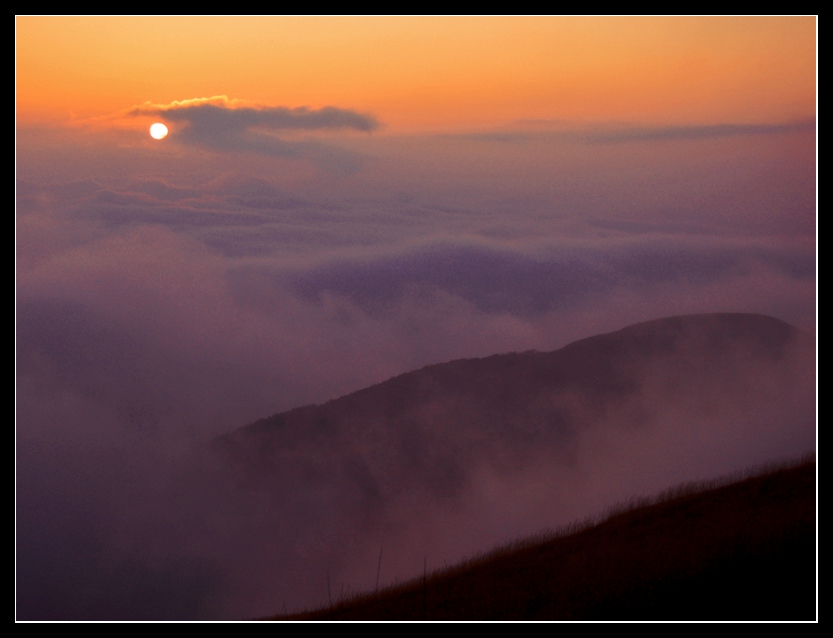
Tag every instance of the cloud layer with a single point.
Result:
(165, 296)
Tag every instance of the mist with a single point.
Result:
(165, 298)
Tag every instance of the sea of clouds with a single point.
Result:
(167, 293)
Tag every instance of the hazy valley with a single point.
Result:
(437, 464)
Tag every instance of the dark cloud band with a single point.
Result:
(643, 133)
(259, 130)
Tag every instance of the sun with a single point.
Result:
(158, 131)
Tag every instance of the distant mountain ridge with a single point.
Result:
(599, 362)
(528, 399)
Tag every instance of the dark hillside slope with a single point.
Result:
(434, 423)
(745, 551)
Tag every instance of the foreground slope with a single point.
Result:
(744, 551)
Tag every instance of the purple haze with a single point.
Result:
(167, 294)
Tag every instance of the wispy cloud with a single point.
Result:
(233, 125)
(652, 133)
(612, 134)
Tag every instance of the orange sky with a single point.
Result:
(427, 73)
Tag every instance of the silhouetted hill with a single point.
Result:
(605, 364)
(744, 551)
(431, 420)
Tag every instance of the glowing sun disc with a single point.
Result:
(158, 130)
